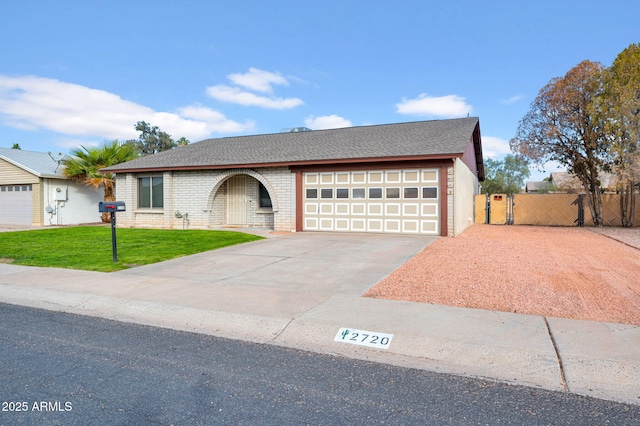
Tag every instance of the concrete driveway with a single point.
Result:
(281, 275)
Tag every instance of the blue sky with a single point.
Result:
(83, 72)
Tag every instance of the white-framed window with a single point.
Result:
(150, 192)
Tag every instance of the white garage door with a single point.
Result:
(15, 204)
(397, 201)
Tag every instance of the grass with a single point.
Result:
(89, 247)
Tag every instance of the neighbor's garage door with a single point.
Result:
(15, 204)
(398, 201)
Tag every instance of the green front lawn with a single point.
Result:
(89, 247)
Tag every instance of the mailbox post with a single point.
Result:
(112, 207)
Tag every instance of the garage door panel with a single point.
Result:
(311, 178)
(343, 177)
(359, 209)
(429, 227)
(358, 225)
(326, 208)
(374, 225)
(410, 210)
(326, 178)
(374, 209)
(429, 210)
(375, 177)
(430, 176)
(311, 223)
(342, 208)
(358, 177)
(326, 224)
(410, 176)
(342, 224)
(395, 201)
(393, 176)
(392, 225)
(392, 209)
(411, 226)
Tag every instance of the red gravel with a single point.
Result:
(560, 272)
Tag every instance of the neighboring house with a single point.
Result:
(34, 192)
(537, 186)
(564, 182)
(418, 177)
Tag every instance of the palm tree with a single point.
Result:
(84, 166)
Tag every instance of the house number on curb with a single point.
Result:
(363, 338)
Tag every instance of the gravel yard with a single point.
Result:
(578, 273)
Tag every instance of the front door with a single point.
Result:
(237, 200)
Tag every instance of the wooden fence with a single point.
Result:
(546, 210)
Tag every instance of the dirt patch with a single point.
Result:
(5, 260)
(560, 272)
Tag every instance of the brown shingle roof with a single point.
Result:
(414, 139)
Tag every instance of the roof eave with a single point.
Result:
(114, 169)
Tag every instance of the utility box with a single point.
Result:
(61, 194)
(111, 206)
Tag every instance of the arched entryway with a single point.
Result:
(242, 198)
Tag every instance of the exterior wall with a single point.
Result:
(37, 204)
(285, 184)
(257, 216)
(197, 199)
(219, 206)
(14, 175)
(469, 157)
(465, 187)
(72, 203)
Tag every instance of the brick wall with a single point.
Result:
(201, 196)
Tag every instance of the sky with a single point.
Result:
(80, 73)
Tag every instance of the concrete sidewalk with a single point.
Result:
(298, 290)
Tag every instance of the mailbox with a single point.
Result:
(111, 206)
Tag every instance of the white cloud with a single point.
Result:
(327, 122)
(214, 121)
(255, 80)
(440, 106)
(235, 95)
(494, 147)
(512, 99)
(70, 109)
(258, 80)
(497, 148)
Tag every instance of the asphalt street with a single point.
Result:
(61, 368)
